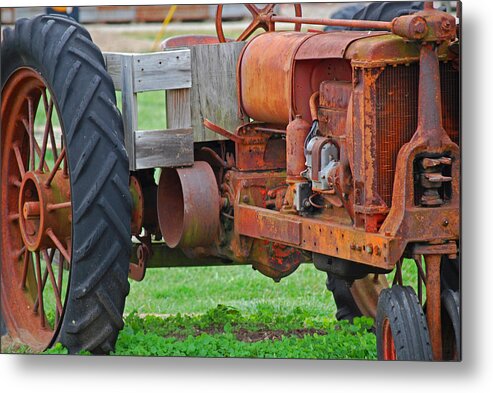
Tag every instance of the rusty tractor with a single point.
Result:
(338, 148)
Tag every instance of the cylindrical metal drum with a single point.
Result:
(188, 206)
(266, 76)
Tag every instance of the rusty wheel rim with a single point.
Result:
(388, 344)
(36, 216)
(260, 20)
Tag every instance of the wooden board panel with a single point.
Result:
(213, 93)
(129, 105)
(162, 70)
(114, 67)
(152, 71)
(164, 148)
(178, 113)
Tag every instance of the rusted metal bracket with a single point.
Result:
(319, 236)
(137, 270)
(445, 248)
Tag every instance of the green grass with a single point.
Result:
(151, 110)
(221, 333)
(197, 289)
(227, 332)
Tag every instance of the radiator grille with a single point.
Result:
(397, 116)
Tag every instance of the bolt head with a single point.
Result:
(419, 27)
(446, 25)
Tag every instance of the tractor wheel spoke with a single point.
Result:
(20, 252)
(253, 9)
(18, 158)
(52, 135)
(25, 268)
(30, 130)
(60, 270)
(248, 31)
(33, 146)
(58, 244)
(40, 290)
(44, 280)
(65, 161)
(268, 8)
(15, 182)
(55, 206)
(55, 168)
(46, 133)
(13, 217)
(49, 266)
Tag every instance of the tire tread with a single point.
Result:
(401, 307)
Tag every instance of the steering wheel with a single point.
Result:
(261, 19)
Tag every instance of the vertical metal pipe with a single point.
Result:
(429, 98)
(433, 303)
(296, 133)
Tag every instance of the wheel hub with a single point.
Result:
(44, 209)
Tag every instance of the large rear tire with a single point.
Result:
(51, 60)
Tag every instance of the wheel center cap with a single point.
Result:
(44, 209)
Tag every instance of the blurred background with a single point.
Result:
(141, 28)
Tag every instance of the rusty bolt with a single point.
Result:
(245, 198)
(445, 223)
(446, 25)
(419, 26)
(352, 246)
(377, 250)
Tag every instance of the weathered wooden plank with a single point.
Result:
(129, 107)
(114, 67)
(162, 70)
(178, 113)
(164, 148)
(152, 71)
(213, 94)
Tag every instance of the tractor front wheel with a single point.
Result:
(401, 327)
(65, 221)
